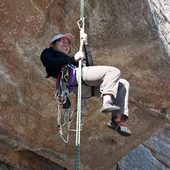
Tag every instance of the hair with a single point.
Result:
(54, 42)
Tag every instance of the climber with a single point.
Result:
(100, 81)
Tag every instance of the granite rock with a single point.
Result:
(123, 34)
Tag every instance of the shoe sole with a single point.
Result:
(122, 130)
(112, 110)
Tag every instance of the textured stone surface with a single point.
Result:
(3, 167)
(160, 14)
(121, 34)
(152, 154)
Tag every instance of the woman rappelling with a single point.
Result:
(99, 81)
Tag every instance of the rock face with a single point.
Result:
(123, 34)
(160, 14)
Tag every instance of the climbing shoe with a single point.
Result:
(119, 127)
(110, 107)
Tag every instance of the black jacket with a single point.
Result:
(53, 60)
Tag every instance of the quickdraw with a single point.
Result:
(68, 118)
(64, 80)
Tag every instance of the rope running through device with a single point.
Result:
(77, 150)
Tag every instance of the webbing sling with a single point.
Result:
(77, 151)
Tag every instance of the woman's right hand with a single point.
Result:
(78, 56)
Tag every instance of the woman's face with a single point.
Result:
(62, 45)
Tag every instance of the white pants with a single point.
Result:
(106, 80)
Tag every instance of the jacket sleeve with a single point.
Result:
(51, 59)
(89, 59)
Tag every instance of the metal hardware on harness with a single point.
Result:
(68, 118)
(62, 94)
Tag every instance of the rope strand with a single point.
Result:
(77, 154)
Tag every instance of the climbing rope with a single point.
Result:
(78, 125)
(62, 93)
